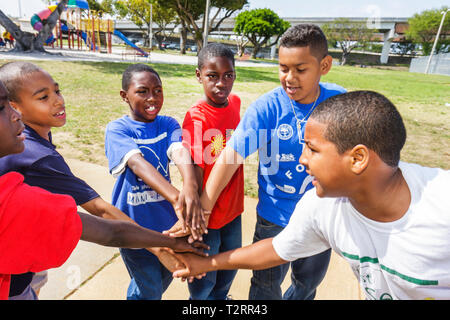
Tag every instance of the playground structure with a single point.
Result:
(80, 28)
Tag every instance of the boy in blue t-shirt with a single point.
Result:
(139, 148)
(274, 126)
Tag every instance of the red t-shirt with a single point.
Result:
(38, 229)
(206, 130)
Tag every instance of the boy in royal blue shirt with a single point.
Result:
(274, 125)
(139, 148)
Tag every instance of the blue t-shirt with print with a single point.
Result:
(269, 126)
(125, 137)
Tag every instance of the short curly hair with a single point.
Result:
(214, 50)
(13, 74)
(304, 35)
(135, 68)
(363, 117)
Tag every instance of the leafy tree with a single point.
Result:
(259, 26)
(138, 11)
(191, 11)
(162, 17)
(27, 41)
(101, 6)
(423, 28)
(347, 35)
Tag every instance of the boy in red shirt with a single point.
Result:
(206, 128)
(41, 232)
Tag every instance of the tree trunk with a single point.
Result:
(159, 38)
(241, 44)
(344, 58)
(256, 49)
(27, 41)
(183, 39)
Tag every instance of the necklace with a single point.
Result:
(299, 122)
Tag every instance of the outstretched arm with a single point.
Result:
(122, 234)
(148, 173)
(226, 165)
(257, 256)
(103, 209)
(189, 200)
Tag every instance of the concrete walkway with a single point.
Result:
(115, 56)
(94, 272)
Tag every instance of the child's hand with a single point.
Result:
(173, 262)
(169, 260)
(189, 200)
(177, 231)
(206, 216)
(182, 245)
(195, 266)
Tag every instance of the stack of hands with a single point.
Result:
(192, 224)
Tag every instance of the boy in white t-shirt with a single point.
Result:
(389, 219)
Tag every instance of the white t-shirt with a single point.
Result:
(405, 259)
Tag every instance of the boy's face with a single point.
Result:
(323, 162)
(300, 72)
(11, 126)
(217, 77)
(41, 103)
(144, 96)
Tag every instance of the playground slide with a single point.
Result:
(83, 34)
(128, 42)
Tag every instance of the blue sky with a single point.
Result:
(348, 8)
(292, 8)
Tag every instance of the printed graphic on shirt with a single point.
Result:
(217, 145)
(285, 131)
(286, 188)
(138, 198)
(285, 157)
(373, 274)
(142, 194)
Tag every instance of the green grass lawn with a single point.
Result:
(91, 91)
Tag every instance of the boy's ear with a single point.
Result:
(15, 105)
(325, 64)
(198, 75)
(359, 156)
(124, 96)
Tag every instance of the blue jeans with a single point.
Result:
(149, 278)
(215, 285)
(306, 273)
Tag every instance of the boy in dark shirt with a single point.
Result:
(39, 230)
